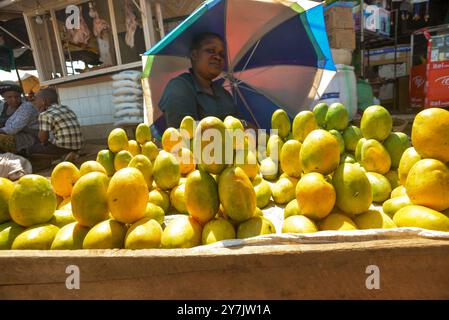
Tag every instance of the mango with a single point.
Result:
(396, 144)
(6, 189)
(291, 209)
(408, 160)
(201, 196)
(353, 189)
(150, 150)
(109, 234)
(337, 222)
(127, 195)
(63, 177)
(320, 152)
(70, 237)
(172, 140)
(117, 140)
(373, 219)
(374, 157)
(143, 133)
(351, 136)
(254, 227)
(92, 166)
(32, 201)
(393, 205)
(133, 147)
(62, 218)
(281, 122)
(290, 159)
(8, 232)
(320, 111)
(236, 194)
(274, 147)
(298, 224)
(269, 169)
(421, 217)
(283, 190)
(122, 159)
(316, 197)
(37, 237)
(154, 212)
(247, 160)
(337, 117)
(304, 123)
(217, 230)
(144, 234)
(430, 134)
(263, 191)
(143, 164)
(380, 186)
(166, 171)
(376, 123)
(209, 144)
(187, 127)
(159, 198)
(428, 184)
(89, 199)
(106, 159)
(177, 198)
(182, 232)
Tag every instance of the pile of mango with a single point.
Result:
(326, 173)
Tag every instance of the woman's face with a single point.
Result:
(209, 59)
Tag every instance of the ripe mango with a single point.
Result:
(166, 171)
(89, 199)
(236, 194)
(201, 196)
(304, 123)
(127, 195)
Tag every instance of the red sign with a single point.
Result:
(438, 85)
(418, 85)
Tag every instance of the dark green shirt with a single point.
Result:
(183, 96)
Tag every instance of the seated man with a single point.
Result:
(59, 129)
(18, 120)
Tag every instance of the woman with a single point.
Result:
(18, 120)
(193, 93)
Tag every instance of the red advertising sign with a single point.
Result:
(438, 85)
(418, 85)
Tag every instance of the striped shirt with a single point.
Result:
(62, 124)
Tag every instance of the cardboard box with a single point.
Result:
(342, 38)
(339, 18)
(386, 71)
(385, 55)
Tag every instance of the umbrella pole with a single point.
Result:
(18, 77)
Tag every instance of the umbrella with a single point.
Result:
(278, 56)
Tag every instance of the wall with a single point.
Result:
(91, 100)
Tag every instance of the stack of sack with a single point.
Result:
(128, 98)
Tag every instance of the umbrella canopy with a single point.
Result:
(278, 56)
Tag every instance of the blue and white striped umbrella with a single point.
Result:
(278, 56)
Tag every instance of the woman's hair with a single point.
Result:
(200, 37)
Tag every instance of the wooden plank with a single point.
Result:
(160, 19)
(32, 37)
(148, 24)
(114, 32)
(58, 42)
(409, 269)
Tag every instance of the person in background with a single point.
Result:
(193, 93)
(18, 120)
(59, 128)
